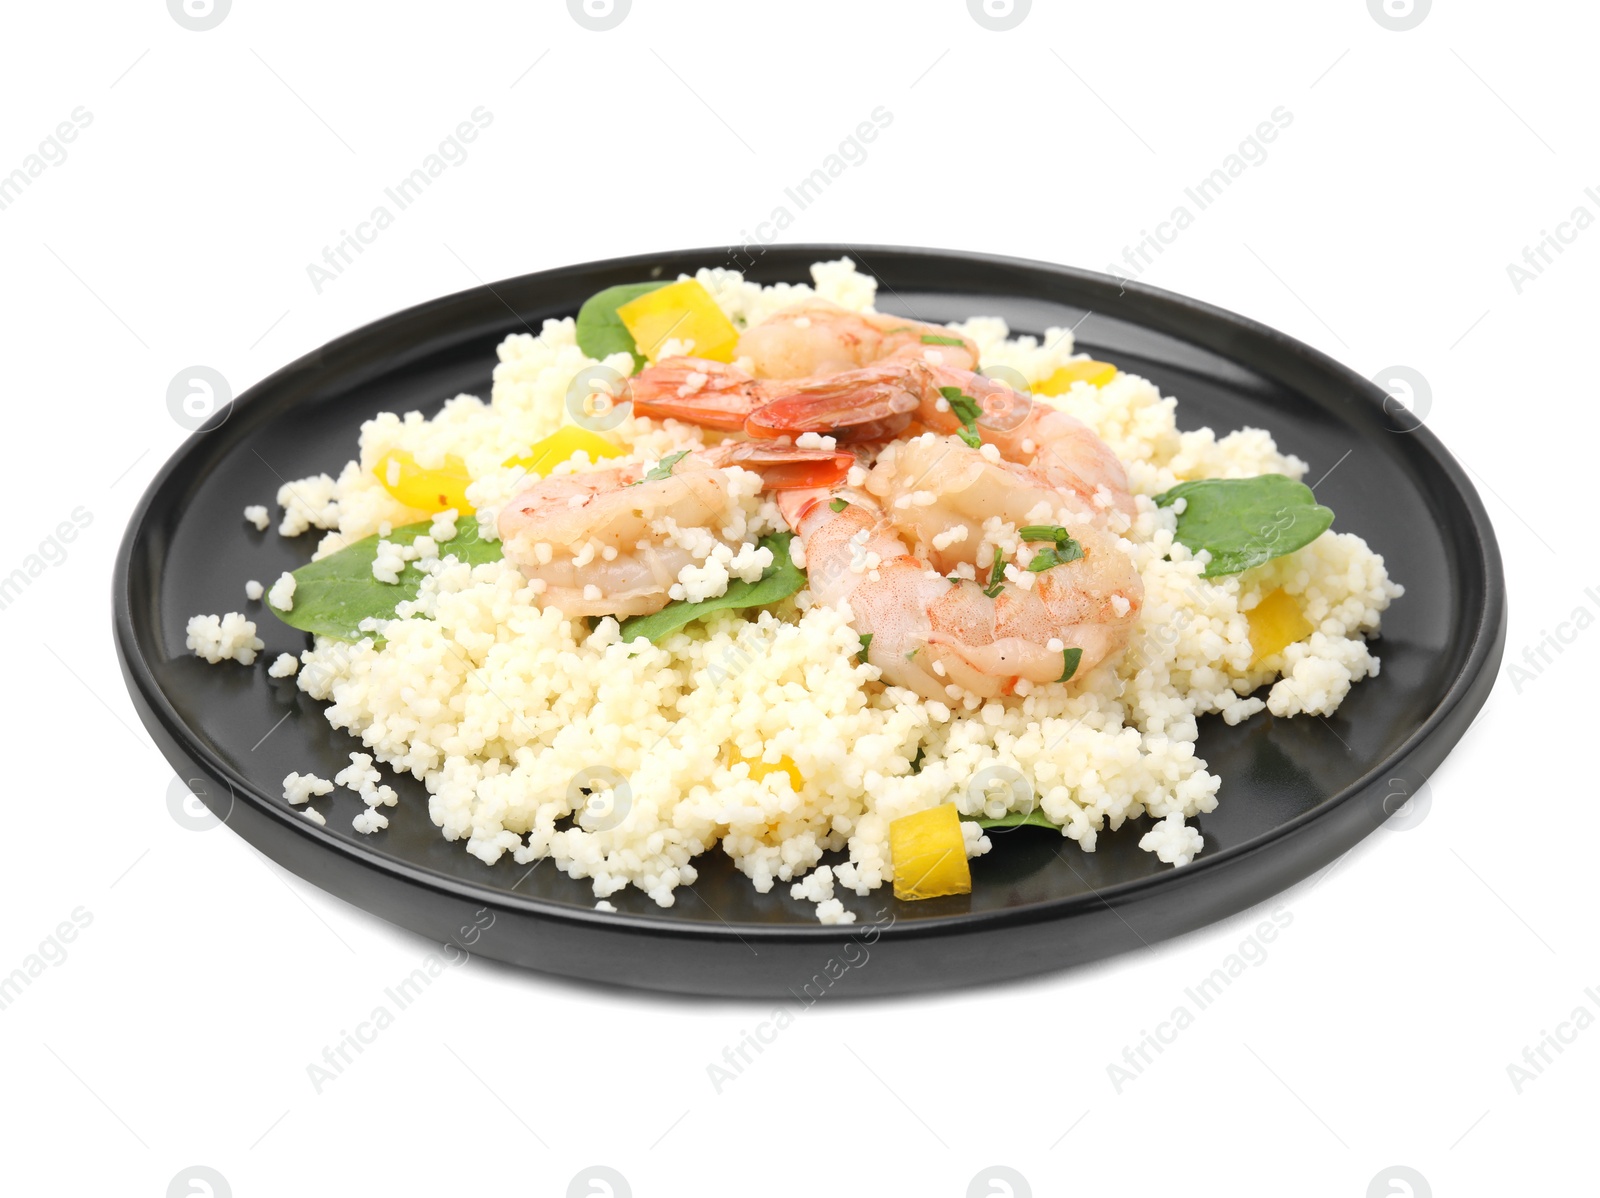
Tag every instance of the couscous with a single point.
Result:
(759, 570)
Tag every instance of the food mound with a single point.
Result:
(762, 568)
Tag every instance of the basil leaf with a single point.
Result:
(601, 331)
(1015, 819)
(333, 595)
(931, 339)
(780, 580)
(1069, 662)
(1243, 522)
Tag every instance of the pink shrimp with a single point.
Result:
(1026, 431)
(819, 339)
(697, 390)
(1033, 433)
(610, 542)
(887, 548)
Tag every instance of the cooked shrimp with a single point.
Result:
(931, 633)
(878, 402)
(712, 394)
(1033, 433)
(820, 339)
(1029, 432)
(614, 542)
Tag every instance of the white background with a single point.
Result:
(178, 230)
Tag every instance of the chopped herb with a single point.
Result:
(866, 643)
(662, 469)
(1063, 548)
(966, 408)
(905, 328)
(838, 505)
(913, 652)
(916, 762)
(997, 577)
(931, 339)
(1058, 554)
(1071, 658)
(967, 411)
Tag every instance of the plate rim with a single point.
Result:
(1486, 639)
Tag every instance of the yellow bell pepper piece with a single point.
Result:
(560, 445)
(681, 312)
(1275, 623)
(760, 769)
(1096, 374)
(929, 854)
(426, 490)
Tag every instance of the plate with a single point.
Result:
(1295, 793)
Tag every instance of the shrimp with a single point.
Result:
(1030, 432)
(819, 339)
(614, 542)
(703, 392)
(879, 401)
(941, 636)
(1033, 433)
(872, 365)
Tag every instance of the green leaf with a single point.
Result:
(966, 408)
(780, 580)
(662, 469)
(866, 643)
(1058, 554)
(1243, 522)
(1015, 819)
(601, 331)
(1069, 662)
(967, 411)
(1044, 532)
(931, 339)
(333, 595)
(838, 505)
(997, 577)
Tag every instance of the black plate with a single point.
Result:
(1295, 793)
